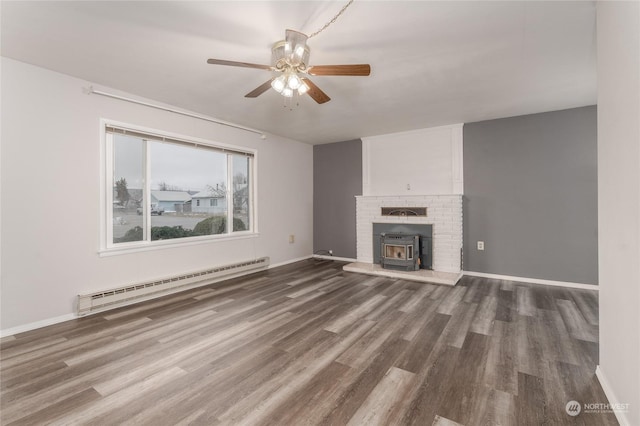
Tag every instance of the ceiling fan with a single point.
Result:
(290, 65)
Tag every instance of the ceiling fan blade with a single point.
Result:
(259, 90)
(355, 70)
(238, 64)
(314, 91)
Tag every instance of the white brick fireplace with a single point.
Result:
(444, 213)
(399, 170)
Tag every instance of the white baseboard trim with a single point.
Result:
(611, 396)
(341, 259)
(37, 324)
(533, 280)
(286, 262)
(63, 318)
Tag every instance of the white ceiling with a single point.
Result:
(433, 62)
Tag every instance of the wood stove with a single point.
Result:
(400, 252)
(421, 256)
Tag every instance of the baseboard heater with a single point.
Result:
(126, 295)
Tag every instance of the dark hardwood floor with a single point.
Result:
(310, 344)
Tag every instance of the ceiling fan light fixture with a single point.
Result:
(300, 56)
(287, 92)
(279, 55)
(296, 47)
(294, 82)
(279, 84)
(303, 89)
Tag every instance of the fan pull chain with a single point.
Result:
(333, 20)
(289, 102)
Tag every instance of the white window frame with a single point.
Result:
(108, 248)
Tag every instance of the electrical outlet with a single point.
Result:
(330, 252)
(480, 245)
(292, 239)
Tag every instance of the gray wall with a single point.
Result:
(337, 179)
(530, 186)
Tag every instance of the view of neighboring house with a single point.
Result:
(167, 200)
(211, 200)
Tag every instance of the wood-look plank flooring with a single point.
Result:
(308, 344)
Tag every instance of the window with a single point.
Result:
(157, 184)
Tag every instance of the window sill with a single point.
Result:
(170, 244)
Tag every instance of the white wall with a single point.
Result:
(51, 153)
(418, 162)
(619, 203)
